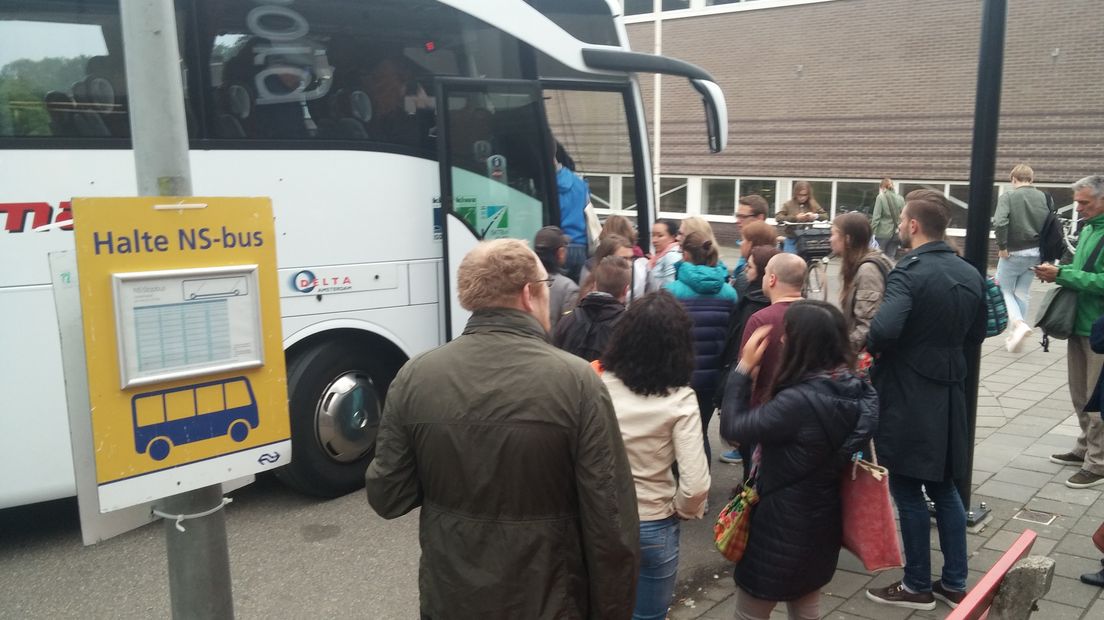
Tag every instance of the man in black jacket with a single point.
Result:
(586, 330)
(934, 303)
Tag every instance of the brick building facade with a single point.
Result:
(848, 91)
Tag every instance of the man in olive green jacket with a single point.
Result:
(1084, 365)
(886, 217)
(512, 450)
(1017, 222)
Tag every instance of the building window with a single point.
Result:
(856, 196)
(904, 188)
(628, 193)
(718, 196)
(640, 7)
(766, 188)
(599, 190)
(1062, 195)
(959, 196)
(672, 194)
(821, 192)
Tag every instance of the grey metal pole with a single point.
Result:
(982, 162)
(156, 95)
(198, 557)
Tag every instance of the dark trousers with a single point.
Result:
(576, 258)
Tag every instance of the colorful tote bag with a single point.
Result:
(730, 532)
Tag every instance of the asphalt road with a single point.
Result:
(291, 557)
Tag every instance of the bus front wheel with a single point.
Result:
(336, 396)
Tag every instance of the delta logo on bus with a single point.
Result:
(306, 282)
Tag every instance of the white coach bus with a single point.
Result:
(392, 135)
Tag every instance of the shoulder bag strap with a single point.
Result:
(878, 264)
(1090, 264)
(893, 210)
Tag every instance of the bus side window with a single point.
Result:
(66, 74)
(179, 404)
(237, 394)
(149, 410)
(330, 71)
(209, 399)
(44, 86)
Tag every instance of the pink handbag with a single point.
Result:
(869, 530)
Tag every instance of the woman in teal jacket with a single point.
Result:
(701, 273)
(700, 286)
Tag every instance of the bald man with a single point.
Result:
(782, 280)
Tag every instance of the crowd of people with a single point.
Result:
(553, 479)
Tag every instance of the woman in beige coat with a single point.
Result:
(863, 272)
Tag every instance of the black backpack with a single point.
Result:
(1052, 242)
(584, 337)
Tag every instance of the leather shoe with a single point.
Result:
(1094, 579)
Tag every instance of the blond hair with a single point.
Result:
(696, 224)
(1023, 173)
(494, 272)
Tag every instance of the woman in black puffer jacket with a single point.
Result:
(819, 414)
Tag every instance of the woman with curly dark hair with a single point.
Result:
(647, 372)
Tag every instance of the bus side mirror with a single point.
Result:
(716, 113)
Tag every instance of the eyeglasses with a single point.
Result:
(744, 216)
(547, 282)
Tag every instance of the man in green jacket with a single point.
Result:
(512, 450)
(1084, 365)
(886, 216)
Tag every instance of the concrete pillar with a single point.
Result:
(1027, 581)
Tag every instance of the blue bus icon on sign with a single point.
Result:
(173, 417)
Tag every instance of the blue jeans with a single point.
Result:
(789, 245)
(950, 520)
(1014, 276)
(659, 548)
(576, 257)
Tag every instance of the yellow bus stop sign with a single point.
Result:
(183, 343)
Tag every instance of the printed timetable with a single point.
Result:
(174, 336)
(187, 322)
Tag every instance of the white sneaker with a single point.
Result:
(1015, 340)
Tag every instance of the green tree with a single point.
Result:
(23, 87)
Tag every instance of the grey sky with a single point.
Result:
(38, 40)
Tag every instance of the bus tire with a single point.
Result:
(238, 431)
(158, 448)
(335, 398)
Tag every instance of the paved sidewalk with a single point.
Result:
(1024, 415)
